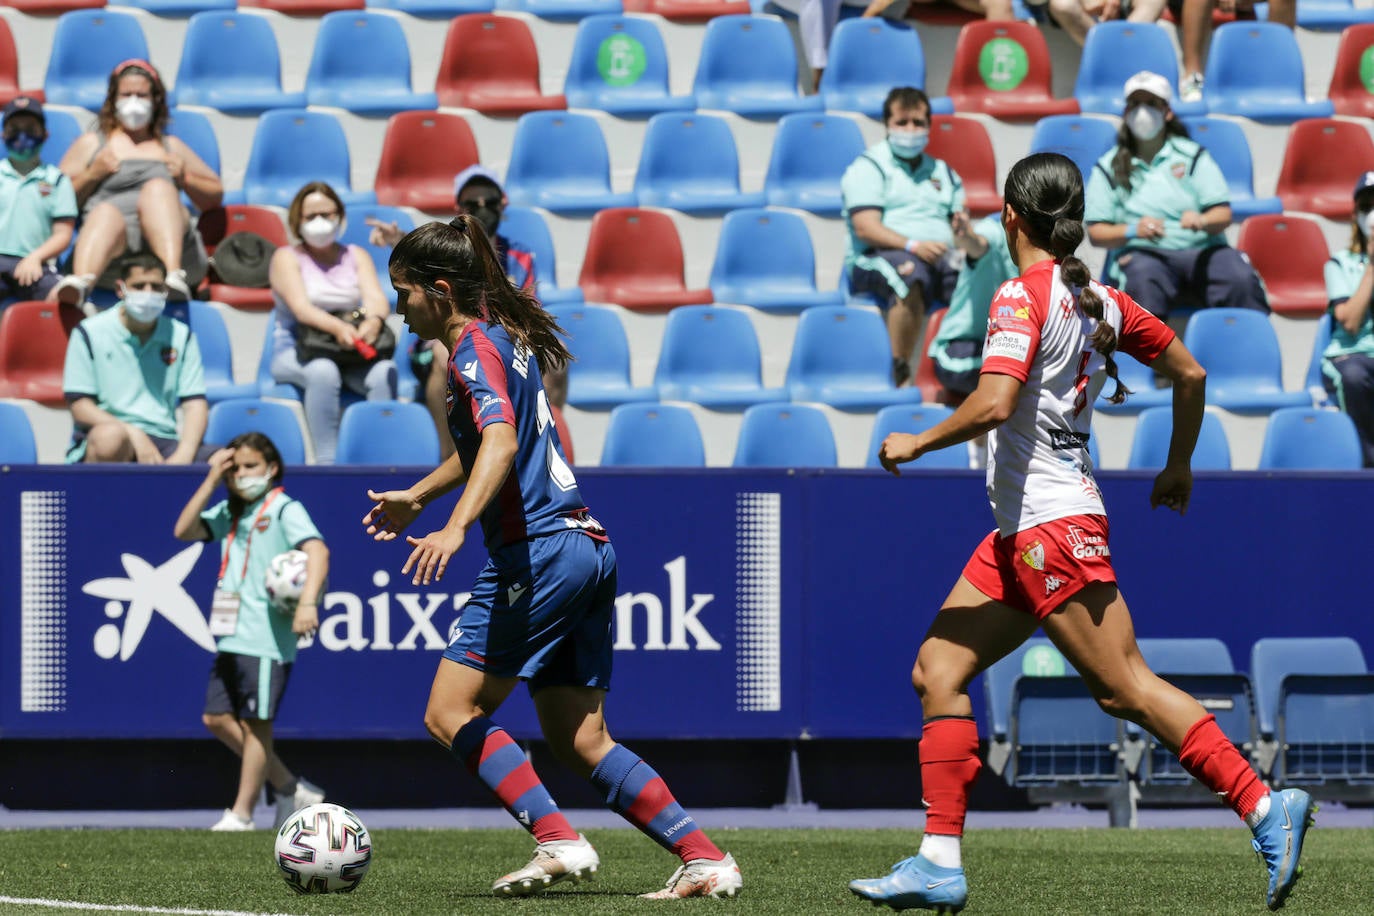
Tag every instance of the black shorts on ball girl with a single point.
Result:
(246, 686)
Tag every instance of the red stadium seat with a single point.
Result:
(215, 225)
(1349, 92)
(1002, 69)
(932, 392)
(964, 143)
(33, 349)
(304, 7)
(490, 64)
(52, 7)
(422, 152)
(1320, 165)
(1289, 252)
(689, 10)
(9, 68)
(634, 259)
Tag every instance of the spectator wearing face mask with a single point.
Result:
(1348, 361)
(898, 203)
(37, 206)
(128, 174)
(1160, 203)
(128, 370)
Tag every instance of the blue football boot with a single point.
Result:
(1278, 841)
(916, 884)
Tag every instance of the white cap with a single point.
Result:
(1153, 83)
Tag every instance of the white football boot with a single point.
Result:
(559, 860)
(307, 793)
(702, 878)
(232, 823)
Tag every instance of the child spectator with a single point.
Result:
(37, 206)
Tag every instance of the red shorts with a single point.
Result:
(1038, 569)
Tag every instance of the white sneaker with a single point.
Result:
(1190, 90)
(702, 878)
(177, 287)
(307, 793)
(552, 862)
(72, 289)
(232, 823)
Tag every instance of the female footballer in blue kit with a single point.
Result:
(541, 608)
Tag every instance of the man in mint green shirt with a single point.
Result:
(37, 206)
(128, 369)
(1159, 201)
(1348, 361)
(898, 203)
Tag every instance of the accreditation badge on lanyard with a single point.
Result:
(224, 607)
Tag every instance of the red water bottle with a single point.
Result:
(365, 349)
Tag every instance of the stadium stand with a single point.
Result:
(577, 181)
(9, 68)
(276, 169)
(785, 435)
(810, 153)
(901, 418)
(1289, 253)
(710, 356)
(1323, 158)
(748, 65)
(1154, 429)
(85, 48)
(528, 228)
(421, 153)
(1333, 15)
(1240, 352)
(361, 63)
(764, 259)
(33, 349)
(653, 435)
(599, 376)
(688, 162)
(387, 433)
(212, 336)
(1313, 380)
(216, 225)
(634, 259)
(1002, 69)
(1349, 92)
(1115, 51)
(964, 143)
(1255, 70)
(276, 421)
(1083, 139)
(356, 232)
(561, 10)
(1308, 439)
(841, 356)
(867, 58)
(1225, 141)
(195, 130)
(230, 62)
(63, 129)
(490, 64)
(1140, 379)
(17, 445)
(620, 66)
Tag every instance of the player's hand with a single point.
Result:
(430, 557)
(1172, 489)
(930, 252)
(897, 448)
(383, 232)
(306, 621)
(392, 514)
(28, 271)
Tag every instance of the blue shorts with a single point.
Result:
(245, 685)
(541, 610)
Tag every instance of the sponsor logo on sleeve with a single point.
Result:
(1009, 344)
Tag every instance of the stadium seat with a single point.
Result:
(809, 156)
(867, 58)
(33, 349)
(710, 356)
(230, 62)
(634, 259)
(1309, 439)
(215, 225)
(785, 435)
(561, 10)
(180, 8)
(924, 378)
(577, 181)
(915, 418)
(63, 129)
(434, 9)
(195, 130)
(85, 47)
(356, 232)
(652, 435)
(1333, 15)
(491, 65)
(1114, 52)
(841, 357)
(527, 227)
(689, 10)
(748, 65)
(1081, 138)
(1140, 379)
(1240, 351)
(276, 169)
(9, 68)
(688, 162)
(1323, 158)
(407, 385)
(964, 143)
(269, 387)
(599, 375)
(276, 421)
(53, 7)
(421, 152)
(1153, 429)
(216, 355)
(1349, 93)
(1314, 703)
(1225, 141)
(1289, 252)
(361, 63)
(17, 445)
(765, 259)
(314, 8)
(620, 65)
(387, 433)
(1313, 381)
(1255, 70)
(1002, 69)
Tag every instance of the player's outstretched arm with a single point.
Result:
(991, 403)
(1174, 485)
(394, 510)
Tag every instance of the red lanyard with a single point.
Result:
(234, 529)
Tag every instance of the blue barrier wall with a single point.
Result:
(762, 604)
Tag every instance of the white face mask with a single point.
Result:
(320, 231)
(1367, 224)
(1144, 122)
(250, 488)
(134, 111)
(144, 305)
(908, 144)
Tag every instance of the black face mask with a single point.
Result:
(485, 211)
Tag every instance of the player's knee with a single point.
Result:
(107, 442)
(1123, 701)
(932, 677)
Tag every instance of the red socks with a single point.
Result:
(1214, 761)
(949, 764)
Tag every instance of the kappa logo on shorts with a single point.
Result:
(1052, 584)
(1034, 556)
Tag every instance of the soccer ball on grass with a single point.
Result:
(323, 849)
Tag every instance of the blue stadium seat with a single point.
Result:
(914, 418)
(1240, 351)
(711, 356)
(356, 231)
(276, 169)
(620, 65)
(1115, 51)
(387, 432)
(1309, 439)
(1140, 379)
(764, 258)
(407, 385)
(1255, 70)
(17, 444)
(1225, 140)
(212, 335)
(599, 375)
(577, 180)
(527, 227)
(1332, 15)
(1155, 426)
(434, 9)
(269, 387)
(63, 129)
(867, 58)
(785, 435)
(230, 62)
(688, 162)
(1313, 381)
(1082, 139)
(652, 435)
(195, 130)
(276, 421)
(841, 357)
(560, 10)
(810, 154)
(179, 8)
(86, 46)
(361, 63)
(748, 65)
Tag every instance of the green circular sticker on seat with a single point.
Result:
(1042, 661)
(620, 60)
(1367, 68)
(1003, 64)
